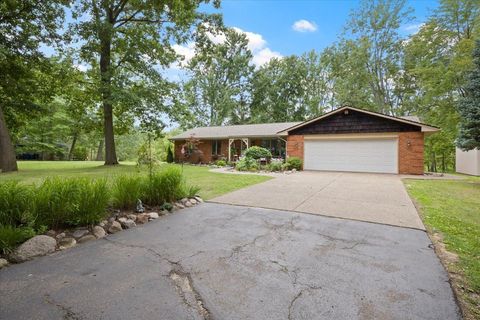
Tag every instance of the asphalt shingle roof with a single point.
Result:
(236, 131)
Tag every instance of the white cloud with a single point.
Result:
(255, 40)
(256, 44)
(187, 52)
(265, 55)
(304, 26)
(413, 28)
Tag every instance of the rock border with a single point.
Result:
(59, 240)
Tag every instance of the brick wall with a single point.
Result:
(410, 153)
(206, 147)
(295, 146)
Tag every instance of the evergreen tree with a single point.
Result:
(469, 107)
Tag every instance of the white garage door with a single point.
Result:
(372, 155)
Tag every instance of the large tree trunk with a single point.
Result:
(72, 147)
(8, 160)
(100, 150)
(106, 77)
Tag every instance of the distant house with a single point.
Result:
(468, 162)
(346, 139)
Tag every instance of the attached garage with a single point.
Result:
(356, 140)
(356, 155)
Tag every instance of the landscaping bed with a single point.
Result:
(59, 213)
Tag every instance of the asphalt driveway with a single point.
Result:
(219, 261)
(379, 198)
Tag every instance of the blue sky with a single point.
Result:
(273, 21)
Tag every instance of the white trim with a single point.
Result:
(351, 136)
(425, 128)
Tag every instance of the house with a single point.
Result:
(468, 162)
(345, 139)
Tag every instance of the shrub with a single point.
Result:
(256, 153)
(247, 164)
(192, 191)
(275, 166)
(71, 202)
(11, 236)
(293, 163)
(221, 163)
(16, 204)
(167, 185)
(126, 191)
(93, 199)
(169, 154)
(55, 199)
(167, 206)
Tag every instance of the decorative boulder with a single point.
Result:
(115, 227)
(142, 218)
(200, 200)
(126, 223)
(66, 243)
(3, 263)
(132, 216)
(86, 238)
(188, 204)
(98, 232)
(79, 233)
(36, 246)
(60, 236)
(153, 215)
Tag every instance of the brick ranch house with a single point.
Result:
(345, 139)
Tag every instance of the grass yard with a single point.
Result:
(211, 184)
(452, 208)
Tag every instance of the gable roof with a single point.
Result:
(412, 120)
(237, 131)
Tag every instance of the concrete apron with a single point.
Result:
(377, 198)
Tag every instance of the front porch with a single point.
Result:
(237, 146)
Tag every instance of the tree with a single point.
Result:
(220, 73)
(278, 91)
(128, 41)
(374, 29)
(436, 63)
(24, 24)
(469, 108)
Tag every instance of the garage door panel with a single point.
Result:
(372, 155)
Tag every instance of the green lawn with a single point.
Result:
(452, 208)
(211, 184)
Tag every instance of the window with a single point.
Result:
(216, 147)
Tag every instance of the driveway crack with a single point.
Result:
(68, 314)
(181, 279)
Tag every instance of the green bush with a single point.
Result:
(293, 163)
(247, 164)
(256, 153)
(192, 191)
(167, 185)
(62, 202)
(11, 236)
(93, 200)
(221, 163)
(169, 154)
(16, 204)
(275, 166)
(127, 189)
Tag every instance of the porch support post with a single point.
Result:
(286, 154)
(230, 141)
